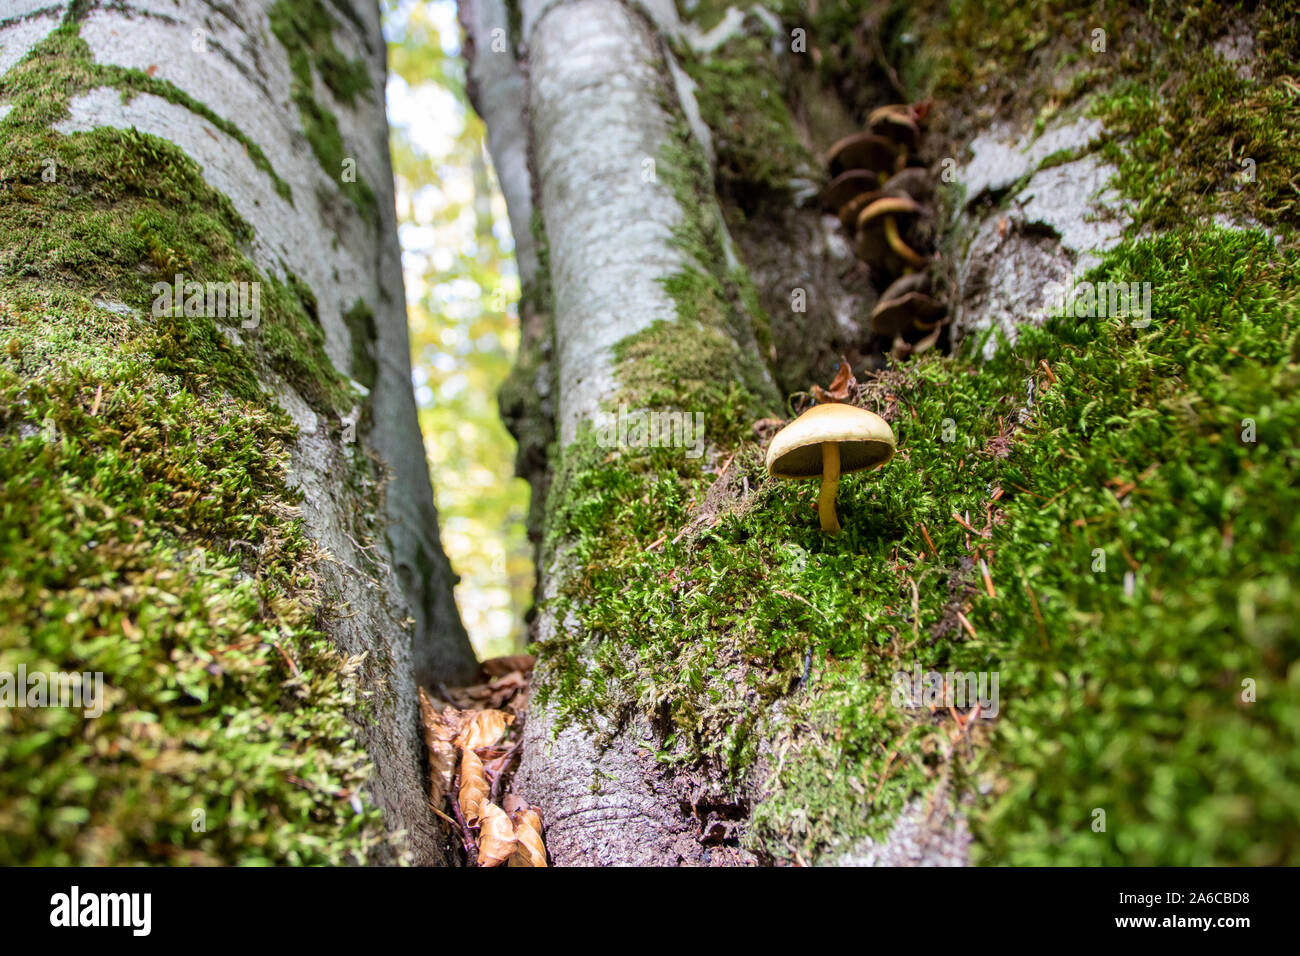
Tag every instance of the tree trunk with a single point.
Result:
(259, 472)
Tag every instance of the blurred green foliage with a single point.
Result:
(462, 300)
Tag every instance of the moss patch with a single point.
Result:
(306, 31)
(742, 100)
(1179, 118)
(64, 62)
(147, 528)
(360, 321)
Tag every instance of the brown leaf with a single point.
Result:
(506, 689)
(500, 666)
(530, 850)
(842, 389)
(473, 787)
(513, 803)
(483, 728)
(438, 734)
(152, 69)
(496, 836)
(469, 698)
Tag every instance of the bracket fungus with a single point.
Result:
(898, 124)
(828, 441)
(850, 192)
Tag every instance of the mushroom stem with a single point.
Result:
(899, 246)
(830, 483)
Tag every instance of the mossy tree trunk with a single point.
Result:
(226, 511)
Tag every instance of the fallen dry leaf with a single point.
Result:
(500, 666)
(439, 733)
(507, 688)
(843, 387)
(496, 840)
(473, 786)
(483, 728)
(529, 850)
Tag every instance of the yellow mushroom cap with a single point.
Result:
(865, 441)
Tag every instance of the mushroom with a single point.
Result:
(906, 304)
(902, 348)
(846, 190)
(850, 211)
(896, 122)
(828, 441)
(878, 233)
(862, 151)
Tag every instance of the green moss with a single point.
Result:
(1190, 150)
(306, 31)
(742, 100)
(1180, 121)
(1132, 702)
(147, 528)
(693, 366)
(63, 62)
(360, 321)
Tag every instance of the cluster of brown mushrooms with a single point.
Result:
(881, 193)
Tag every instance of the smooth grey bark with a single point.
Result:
(596, 118)
(396, 591)
(498, 90)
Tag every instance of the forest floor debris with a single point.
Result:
(473, 736)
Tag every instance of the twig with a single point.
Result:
(441, 814)
(287, 659)
(970, 628)
(495, 792)
(790, 594)
(988, 579)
